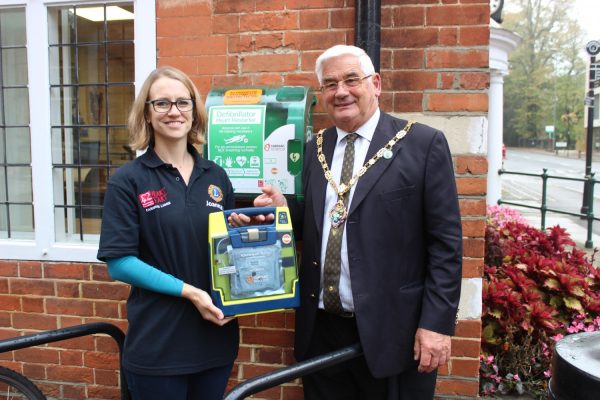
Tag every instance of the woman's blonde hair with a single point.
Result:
(141, 133)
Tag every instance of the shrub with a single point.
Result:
(537, 287)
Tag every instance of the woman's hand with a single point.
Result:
(204, 304)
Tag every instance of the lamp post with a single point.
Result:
(592, 48)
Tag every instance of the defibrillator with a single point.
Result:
(254, 267)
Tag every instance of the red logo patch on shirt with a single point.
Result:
(153, 197)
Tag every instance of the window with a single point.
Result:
(91, 89)
(64, 132)
(16, 196)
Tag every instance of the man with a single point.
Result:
(397, 283)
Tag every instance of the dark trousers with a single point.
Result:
(352, 380)
(205, 385)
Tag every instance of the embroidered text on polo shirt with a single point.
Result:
(153, 199)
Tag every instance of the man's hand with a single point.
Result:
(204, 304)
(270, 197)
(432, 349)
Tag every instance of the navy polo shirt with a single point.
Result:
(150, 212)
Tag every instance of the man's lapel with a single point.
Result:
(384, 132)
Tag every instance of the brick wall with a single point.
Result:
(434, 59)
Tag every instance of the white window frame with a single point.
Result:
(44, 247)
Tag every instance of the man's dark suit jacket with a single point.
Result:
(404, 244)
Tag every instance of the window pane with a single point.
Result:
(62, 65)
(21, 220)
(92, 74)
(14, 66)
(120, 152)
(19, 184)
(16, 106)
(3, 197)
(90, 60)
(121, 62)
(12, 27)
(18, 141)
(120, 100)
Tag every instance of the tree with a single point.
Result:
(547, 72)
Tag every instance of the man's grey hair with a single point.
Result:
(366, 65)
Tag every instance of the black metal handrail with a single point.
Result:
(274, 378)
(21, 342)
(588, 216)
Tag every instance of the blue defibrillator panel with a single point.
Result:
(253, 268)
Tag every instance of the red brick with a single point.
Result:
(30, 269)
(10, 303)
(408, 16)
(408, 102)
(269, 5)
(267, 337)
(180, 8)
(33, 304)
(468, 328)
(472, 207)
(271, 320)
(93, 359)
(277, 21)
(71, 374)
(343, 18)
(448, 36)
(473, 227)
(410, 80)
(8, 268)
(226, 24)
(474, 80)
(409, 37)
(314, 19)
(474, 35)
(34, 321)
(465, 347)
(468, 367)
(37, 355)
(457, 387)
(185, 26)
(475, 165)
(269, 355)
(68, 289)
(468, 58)
(84, 308)
(444, 15)
(269, 63)
(106, 291)
(31, 287)
(472, 268)
(314, 40)
(106, 377)
(471, 186)
(473, 247)
(67, 271)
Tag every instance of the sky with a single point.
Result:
(587, 12)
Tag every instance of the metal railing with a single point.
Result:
(21, 342)
(588, 216)
(277, 377)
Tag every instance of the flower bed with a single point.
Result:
(537, 287)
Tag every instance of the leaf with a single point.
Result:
(573, 303)
(552, 283)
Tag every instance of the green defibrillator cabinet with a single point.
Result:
(257, 135)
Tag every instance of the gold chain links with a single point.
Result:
(343, 188)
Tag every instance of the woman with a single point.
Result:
(154, 237)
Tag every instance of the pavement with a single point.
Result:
(575, 226)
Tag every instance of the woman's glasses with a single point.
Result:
(164, 105)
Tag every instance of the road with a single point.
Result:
(561, 194)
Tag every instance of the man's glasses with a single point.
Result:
(164, 105)
(352, 82)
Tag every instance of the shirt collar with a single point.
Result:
(152, 160)
(366, 131)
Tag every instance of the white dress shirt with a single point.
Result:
(361, 146)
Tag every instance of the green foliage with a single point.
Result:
(547, 73)
(537, 287)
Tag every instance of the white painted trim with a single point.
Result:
(44, 247)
